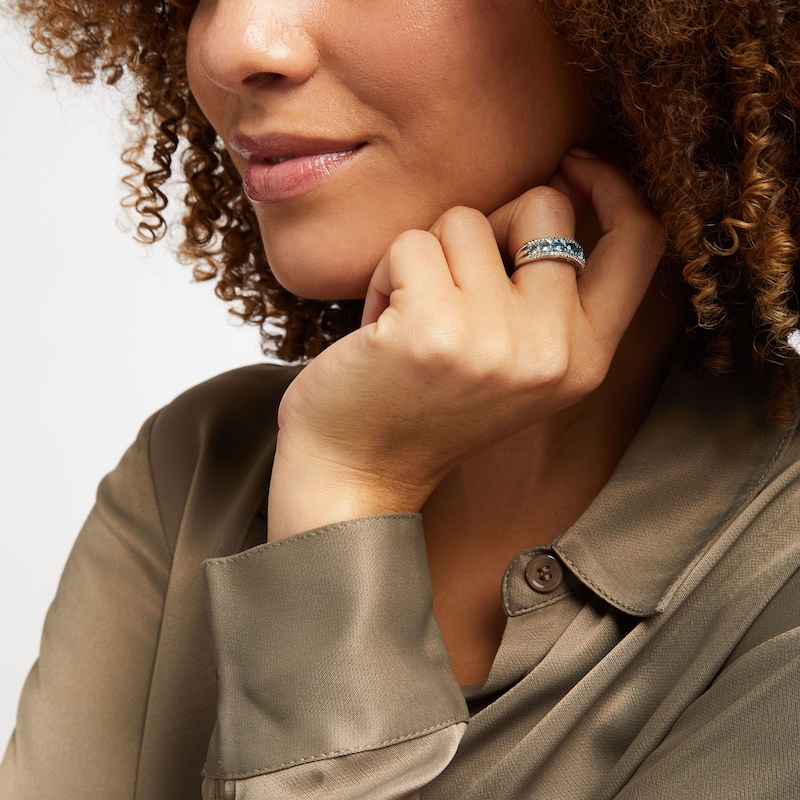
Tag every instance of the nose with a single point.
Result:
(242, 44)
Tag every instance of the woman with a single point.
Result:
(429, 158)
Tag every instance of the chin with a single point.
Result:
(321, 278)
(314, 263)
(327, 251)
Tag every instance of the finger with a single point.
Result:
(541, 212)
(471, 251)
(580, 202)
(413, 264)
(624, 259)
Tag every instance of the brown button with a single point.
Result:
(544, 573)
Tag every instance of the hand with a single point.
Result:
(454, 356)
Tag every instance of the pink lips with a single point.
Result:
(281, 167)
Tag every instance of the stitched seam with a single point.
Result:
(549, 602)
(690, 568)
(778, 451)
(335, 753)
(759, 485)
(589, 582)
(222, 562)
(153, 483)
(157, 646)
(724, 527)
(505, 587)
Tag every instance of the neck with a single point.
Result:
(529, 488)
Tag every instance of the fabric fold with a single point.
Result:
(326, 645)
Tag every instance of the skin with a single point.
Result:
(499, 406)
(448, 96)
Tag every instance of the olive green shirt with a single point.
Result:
(652, 651)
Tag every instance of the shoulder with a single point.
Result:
(241, 400)
(774, 552)
(212, 447)
(765, 559)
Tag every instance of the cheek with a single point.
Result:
(193, 71)
(215, 102)
(406, 74)
(471, 91)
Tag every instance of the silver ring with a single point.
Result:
(558, 247)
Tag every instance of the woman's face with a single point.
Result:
(354, 120)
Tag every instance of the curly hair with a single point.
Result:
(707, 94)
(704, 93)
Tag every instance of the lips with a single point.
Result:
(281, 167)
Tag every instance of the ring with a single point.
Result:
(558, 247)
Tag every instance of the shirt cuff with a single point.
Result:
(326, 645)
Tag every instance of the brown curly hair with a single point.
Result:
(705, 93)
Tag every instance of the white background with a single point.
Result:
(97, 333)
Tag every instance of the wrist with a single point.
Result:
(308, 491)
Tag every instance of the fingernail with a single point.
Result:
(579, 152)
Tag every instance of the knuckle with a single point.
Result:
(589, 368)
(549, 202)
(493, 361)
(591, 375)
(462, 216)
(554, 365)
(547, 367)
(411, 240)
(438, 345)
(411, 246)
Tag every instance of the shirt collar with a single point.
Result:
(702, 454)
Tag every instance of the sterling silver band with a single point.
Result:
(558, 247)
